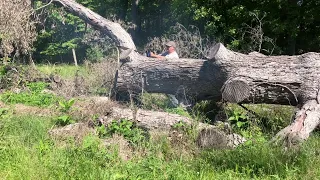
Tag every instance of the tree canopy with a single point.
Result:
(283, 27)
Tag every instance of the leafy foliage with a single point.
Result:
(123, 127)
(238, 119)
(34, 96)
(65, 108)
(62, 32)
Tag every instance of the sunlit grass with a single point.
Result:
(63, 70)
(27, 152)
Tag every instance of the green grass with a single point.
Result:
(63, 70)
(33, 96)
(27, 152)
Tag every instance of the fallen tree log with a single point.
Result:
(250, 78)
(112, 29)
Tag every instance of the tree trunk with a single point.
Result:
(123, 9)
(112, 29)
(249, 78)
(134, 14)
(229, 75)
(253, 78)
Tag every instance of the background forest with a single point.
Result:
(271, 27)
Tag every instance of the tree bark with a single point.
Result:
(112, 29)
(242, 78)
(229, 75)
(134, 15)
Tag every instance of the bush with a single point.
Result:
(190, 43)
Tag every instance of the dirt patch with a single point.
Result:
(91, 108)
(75, 131)
(32, 110)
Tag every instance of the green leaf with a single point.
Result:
(240, 124)
(232, 118)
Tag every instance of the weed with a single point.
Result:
(155, 101)
(63, 70)
(123, 127)
(183, 127)
(178, 110)
(238, 119)
(102, 131)
(64, 120)
(179, 125)
(206, 110)
(37, 87)
(65, 106)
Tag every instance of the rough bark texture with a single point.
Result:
(197, 78)
(306, 120)
(252, 78)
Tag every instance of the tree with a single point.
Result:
(17, 29)
(292, 26)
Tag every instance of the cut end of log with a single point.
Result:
(214, 50)
(125, 53)
(235, 91)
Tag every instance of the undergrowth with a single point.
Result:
(124, 127)
(32, 95)
(27, 152)
(63, 70)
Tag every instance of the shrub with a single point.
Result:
(65, 108)
(190, 43)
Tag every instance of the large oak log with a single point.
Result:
(241, 78)
(252, 78)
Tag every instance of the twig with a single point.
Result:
(43, 6)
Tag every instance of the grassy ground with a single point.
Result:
(27, 152)
(65, 71)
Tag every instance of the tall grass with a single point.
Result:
(63, 70)
(27, 152)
